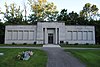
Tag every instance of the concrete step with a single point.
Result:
(51, 45)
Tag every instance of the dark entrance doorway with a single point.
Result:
(50, 38)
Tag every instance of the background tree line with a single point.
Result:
(42, 10)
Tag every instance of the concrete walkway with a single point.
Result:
(51, 45)
(58, 58)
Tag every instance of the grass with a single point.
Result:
(39, 59)
(81, 46)
(27, 45)
(90, 57)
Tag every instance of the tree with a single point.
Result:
(42, 11)
(2, 32)
(13, 14)
(89, 11)
(63, 15)
(73, 17)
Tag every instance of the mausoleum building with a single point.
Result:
(49, 33)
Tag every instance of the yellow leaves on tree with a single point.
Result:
(42, 1)
(42, 8)
(89, 11)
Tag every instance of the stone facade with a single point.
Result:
(49, 33)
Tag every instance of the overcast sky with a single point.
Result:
(70, 5)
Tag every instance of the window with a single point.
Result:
(80, 35)
(85, 35)
(74, 35)
(25, 35)
(20, 35)
(90, 35)
(69, 35)
(14, 35)
(9, 35)
(31, 35)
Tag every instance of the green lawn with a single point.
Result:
(81, 46)
(39, 59)
(27, 45)
(90, 57)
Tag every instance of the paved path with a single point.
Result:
(58, 58)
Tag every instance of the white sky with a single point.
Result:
(70, 5)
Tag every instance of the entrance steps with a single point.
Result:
(51, 45)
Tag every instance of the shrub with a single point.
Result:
(66, 43)
(24, 43)
(87, 44)
(76, 44)
(61, 42)
(34, 42)
(13, 43)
